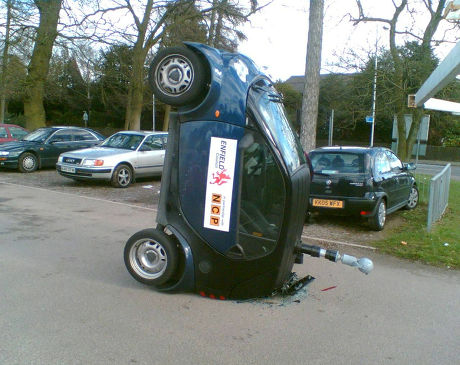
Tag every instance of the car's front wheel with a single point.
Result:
(122, 176)
(412, 202)
(151, 257)
(28, 162)
(377, 221)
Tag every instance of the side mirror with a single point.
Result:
(409, 166)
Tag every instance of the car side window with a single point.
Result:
(152, 143)
(17, 132)
(82, 135)
(395, 162)
(381, 164)
(62, 135)
(3, 133)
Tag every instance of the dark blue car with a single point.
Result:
(235, 180)
(42, 147)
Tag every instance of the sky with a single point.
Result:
(277, 35)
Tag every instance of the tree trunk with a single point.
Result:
(166, 118)
(312, 76)
(34, 110)
(136, 91)
(5, 63)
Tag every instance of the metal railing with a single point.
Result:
(439, 195)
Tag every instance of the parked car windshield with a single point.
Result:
(337, 162)
(40, 135)
(124, 141)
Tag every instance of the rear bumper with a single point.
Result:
(364, 207)
(86, 173)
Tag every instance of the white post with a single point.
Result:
(153, 112)
(331, 128)
(375, 93)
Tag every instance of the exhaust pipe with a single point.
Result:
(363, 264)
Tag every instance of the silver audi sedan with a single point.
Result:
(119, 159)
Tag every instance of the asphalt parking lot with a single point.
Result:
(145, 193)
(66, 297)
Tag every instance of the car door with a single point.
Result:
(83, 139)
(384, 178)
(150, 156)
(402, 177)
(59, 142)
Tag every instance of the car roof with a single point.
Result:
(10, 125)
(353, 149)
(144, 133)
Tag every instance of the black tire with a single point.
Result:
(177, 76)
(122, 176)
(28, 162)
(412, 201)
(151, 257)
(377, 221)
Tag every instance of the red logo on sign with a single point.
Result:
(220, 177)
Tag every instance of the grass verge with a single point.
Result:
(441, 246)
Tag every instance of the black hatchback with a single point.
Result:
(42, 147)
(370, 182)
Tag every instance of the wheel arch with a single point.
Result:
(35, 153)
(129, 164)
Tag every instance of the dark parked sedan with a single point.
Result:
(361, 181)
(42, 147)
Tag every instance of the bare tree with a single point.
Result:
(312, 75)
(396, 28)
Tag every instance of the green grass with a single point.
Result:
(423, 246)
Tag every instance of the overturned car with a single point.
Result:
(235, 183)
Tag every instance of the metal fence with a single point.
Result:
(439, 195)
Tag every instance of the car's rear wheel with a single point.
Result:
(377, 221)
(28, 162)
(151, 257)
(177, 76)
(122, 176)
(412, 202)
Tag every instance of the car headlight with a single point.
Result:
(4, 153)
(60, 158)
(91, 162)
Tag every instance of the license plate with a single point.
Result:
(327, 203)
(68, 169)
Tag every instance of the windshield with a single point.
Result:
(269, 105)
(124, 141)
(40, 135)
(337, 162)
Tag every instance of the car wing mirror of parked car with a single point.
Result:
(409, 166)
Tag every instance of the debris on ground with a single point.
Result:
(331, 287)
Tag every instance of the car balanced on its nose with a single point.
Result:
(235, 180)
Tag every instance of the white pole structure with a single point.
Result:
(331, 128)
(153, 112)
(375, 92)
